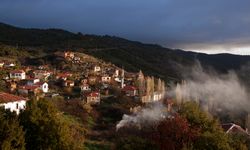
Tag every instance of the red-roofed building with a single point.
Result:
(12, 102)
(106, 79)
(85, 87)
(63, 76)
(32, 81)
(130, 90)
(93, 98)
(18, 74)
(29, 89)
(38, 87)
(42, 74)
(233, 128)
(9, 64)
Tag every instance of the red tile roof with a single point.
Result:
(93, 94)
(41, 71)
(6, 97)
(64, 75)
(129, 88)
(17, 71)
(29, 87)
(39, 83)
(231, 127)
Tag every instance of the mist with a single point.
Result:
(212, 90)
(145, 117)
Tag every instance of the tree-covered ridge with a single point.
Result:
(152, 59)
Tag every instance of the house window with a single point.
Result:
(16, 105)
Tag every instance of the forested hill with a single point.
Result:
(153, 59)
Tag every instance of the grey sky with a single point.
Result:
(190, 24)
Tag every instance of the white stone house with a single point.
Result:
(33, 81)
(12, 102)
(106, 79)
(130, 90)
(9, 64)
(18, 74)
(85, 87)
(39, 87)
(116, 74)
(97, 68)
(43, 86)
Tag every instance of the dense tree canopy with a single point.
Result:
(45, 128)
(212, 135)
(11, 133)
(175, 133)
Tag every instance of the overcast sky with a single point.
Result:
(204, 25)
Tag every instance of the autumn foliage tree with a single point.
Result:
(175, 133)
(212, 135)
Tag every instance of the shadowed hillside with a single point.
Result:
(152, 59)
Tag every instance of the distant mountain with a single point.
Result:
(153, 59)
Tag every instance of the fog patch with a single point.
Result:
(212, 90)
(147, 116)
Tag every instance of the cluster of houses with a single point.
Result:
(25, 85)
(7, 64)
(39, 81)
(93, 78)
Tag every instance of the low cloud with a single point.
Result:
(212, 90)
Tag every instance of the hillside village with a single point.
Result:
(91, 81)
(93, 92)
(67, 91)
